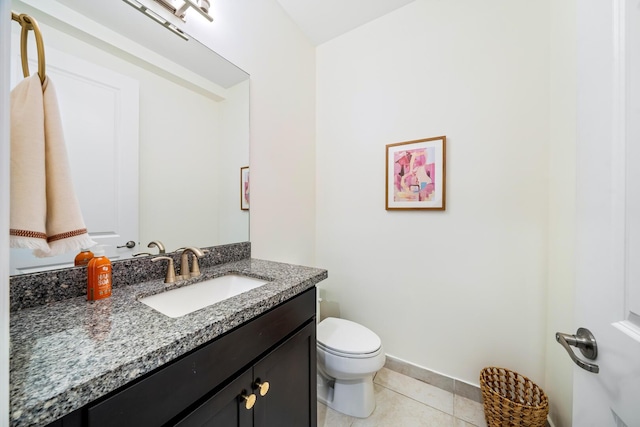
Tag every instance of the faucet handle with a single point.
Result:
(170, 277)
(195, 268)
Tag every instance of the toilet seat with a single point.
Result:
(350, 355)
(348, 339)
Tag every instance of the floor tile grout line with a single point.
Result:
(452, 393)
(453, 396)
(417, 401)
(454, 418)
(422, 403)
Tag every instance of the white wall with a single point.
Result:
(462, 289)
(562, 205)
(261, 39)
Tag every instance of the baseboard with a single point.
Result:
(433, 378)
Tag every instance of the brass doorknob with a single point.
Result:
(262, 387)
(249, 400)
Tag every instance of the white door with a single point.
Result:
(99, 109)
(608, 211)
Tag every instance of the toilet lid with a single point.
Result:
(347, 337)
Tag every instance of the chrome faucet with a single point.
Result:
(185, 273)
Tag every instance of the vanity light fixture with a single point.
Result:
(159, 19)
(201, 6)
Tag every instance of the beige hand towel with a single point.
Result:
(45, 213)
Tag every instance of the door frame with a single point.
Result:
(5, 34)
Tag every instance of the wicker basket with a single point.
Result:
(511, 399)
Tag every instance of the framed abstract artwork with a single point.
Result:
(415, 177)
(244, 188)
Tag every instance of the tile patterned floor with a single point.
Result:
(402, 401)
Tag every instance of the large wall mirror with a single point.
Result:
(157, 128)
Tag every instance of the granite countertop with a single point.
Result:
(68, 353)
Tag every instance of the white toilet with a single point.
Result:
(349, 355)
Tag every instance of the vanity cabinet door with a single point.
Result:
(289, 400)
(290, 371)
(226, 408)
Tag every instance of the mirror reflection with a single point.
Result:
(156, 128)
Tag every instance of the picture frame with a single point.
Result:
(415, 174)
(244, 188)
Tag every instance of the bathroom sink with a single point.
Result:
(187, 299)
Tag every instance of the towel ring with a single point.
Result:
(28, 23)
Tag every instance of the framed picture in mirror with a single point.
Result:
(415, 174)
(244, 188)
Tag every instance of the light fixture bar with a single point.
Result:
(190, 3)
(160, 20)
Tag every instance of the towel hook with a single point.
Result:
(28, 23)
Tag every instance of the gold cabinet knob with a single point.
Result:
(262, 387)
(249, 401)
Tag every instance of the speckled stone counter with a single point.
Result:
(68, 353)
(27, 290)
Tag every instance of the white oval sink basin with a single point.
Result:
(187, 299)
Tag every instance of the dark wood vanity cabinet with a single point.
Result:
(290, 399)
(210, 386)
